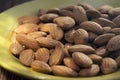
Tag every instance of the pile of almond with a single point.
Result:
(72, 41)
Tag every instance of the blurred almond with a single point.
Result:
(71, 64)
(81, 59)
(63, 71)
(42, 54)
(41, 66)
(27, 57)
(27, 41)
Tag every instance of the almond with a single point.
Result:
(101, 51)
(108, 65)
(91, 71)
(16, 48)
(47, 42)
(114, 12)
(92, 36)
(103, 39)
(81, 48)
(26, 57)
(114, 43)
(37, 34)
(26, 28)
(48, 17)
(42, 54)
(28, 19)
(79, 14)
(117, 21)
(27, 41)
(91, 27)
(104, 22)
(118, 60)
(63, 71)
(115, 31)
(95, 58)
(65, 22)
(41, 66)
(80, 36)
(69, 35)
(81, 59)
(71, 64)
(57, 56)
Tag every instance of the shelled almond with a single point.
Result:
(72, 41)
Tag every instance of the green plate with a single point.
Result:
(8, 22)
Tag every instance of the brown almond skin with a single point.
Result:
(101, 51)
(64, 22)
(69, 36)
(95, 58)
(48, 17)
(27, 41)
(41, 66)
(115, 31)
(28, 19)
(91, 27)
(106, 29)
(92, 36)
(79, 14)
(80, 36)
(27, 57)
(81, 48)
(47, 42)
(37, 34)
(42, 54)
(71, 64)
(114, 12)
(81, 59)
(53, 10)
(105, 8)
(57, 56)
(92, 14)
(118, 60)
(114, 43)
(26, 28)
(116, 20)
(91, 71)
(108, 65)
(103, 39)
(16, 48)
(104, 22)
(63, 71)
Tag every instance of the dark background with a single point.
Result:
(6, 4)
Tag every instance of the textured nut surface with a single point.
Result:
(91, 71)
(116, 20)
(57, 56)
(105, 8)
(80, 36)
(104, 22)
(79, 14)
(27, 41)
(16, 48)
(28, 19)
(116, 31)
(114, 12)
(47, 42)
(108, 65)
(48, 17)
(26, 57)
(71, 64)
(65, 22)
(101, 51)
(41, 66)
(92, 27)
(114, 43)
(81, 59)
(26, 28)
(118, 60)
(95, 58)
(69, 35)
(64, 71)
(37, 34)
(103, 39)
(81, 48)
(42, 54)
